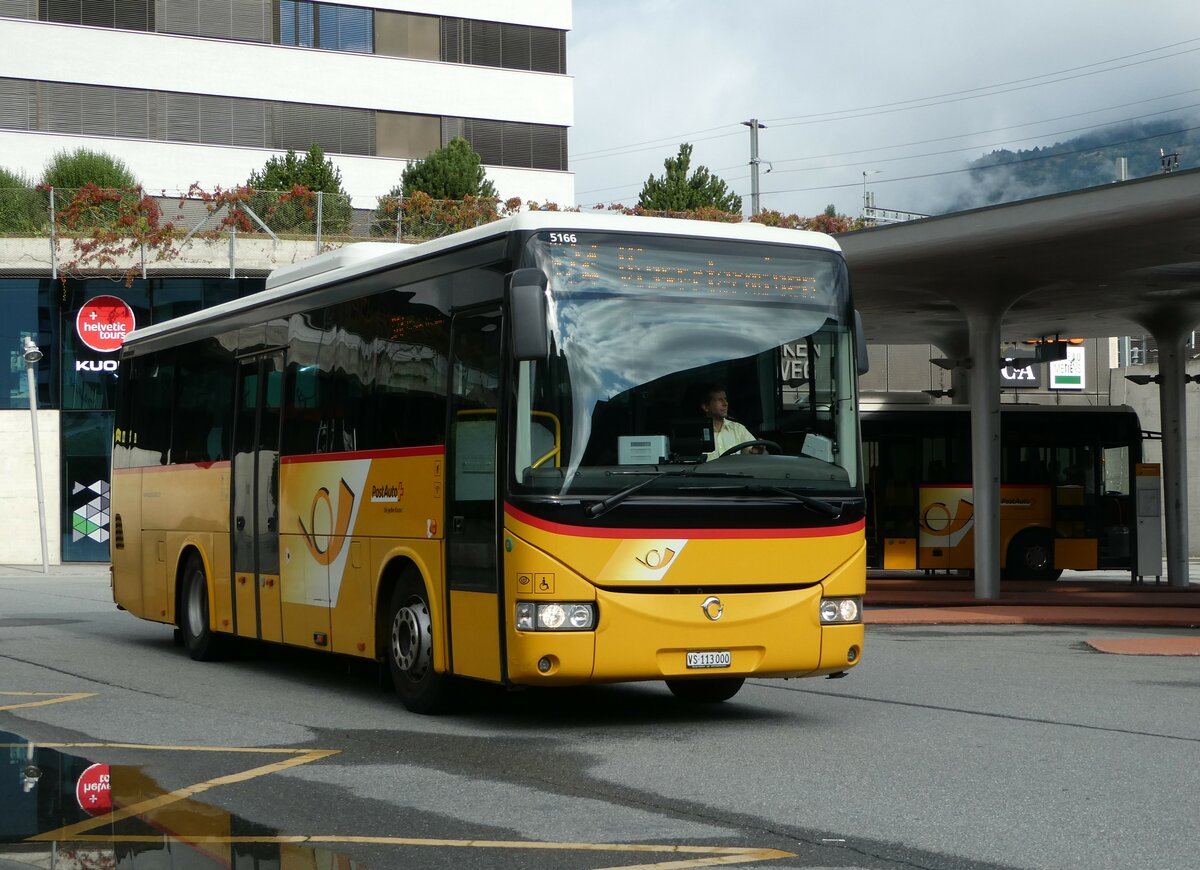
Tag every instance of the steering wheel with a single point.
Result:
(771, 446)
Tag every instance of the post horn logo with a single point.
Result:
(655, 560)
(712, 607)
(336, 540)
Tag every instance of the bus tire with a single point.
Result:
(201, 642)
(1031, 557)
(711, 691)
(409, 650)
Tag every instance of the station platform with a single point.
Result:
(1078, 598)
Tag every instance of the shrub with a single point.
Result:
(286, 188)
(22, 211)
(75, 169)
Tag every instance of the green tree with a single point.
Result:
(445, 192)
(286, 191)
(22, 209)
(72, 170)
(452, 172)
(676, 190)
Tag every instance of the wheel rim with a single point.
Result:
(412, 641)
(196, 607)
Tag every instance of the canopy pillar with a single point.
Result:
(984, 383)
(1172, 373)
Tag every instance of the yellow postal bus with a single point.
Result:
(1066, 487)
(484, 457)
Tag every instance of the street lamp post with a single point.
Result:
(754, 126)
(32, 355)
(867, 203)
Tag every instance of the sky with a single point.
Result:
(897, 94)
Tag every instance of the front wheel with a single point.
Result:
(410, 650)
(705, 691)
(201, 642)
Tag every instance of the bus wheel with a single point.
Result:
(202, 643)
(705, 691)
(410, 650)
(1031, 557)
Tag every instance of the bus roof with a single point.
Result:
(365, 258)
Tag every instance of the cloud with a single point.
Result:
(831, 82)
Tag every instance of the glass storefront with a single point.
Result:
(77, 374)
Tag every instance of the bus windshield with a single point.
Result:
(647, 329)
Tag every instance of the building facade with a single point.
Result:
(205, 92)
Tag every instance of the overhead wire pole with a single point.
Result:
(754, 126)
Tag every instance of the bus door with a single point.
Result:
(892, 469)
(255, 497)
(472, 532)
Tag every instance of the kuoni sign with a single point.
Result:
(103, 322)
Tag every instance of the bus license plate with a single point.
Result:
(710, 659)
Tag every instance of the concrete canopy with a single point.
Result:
(1112, 260)
(1115, 260)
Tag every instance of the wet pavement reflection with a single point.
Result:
(67, 812)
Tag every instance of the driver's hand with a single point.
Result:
(759, 450)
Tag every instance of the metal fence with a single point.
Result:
(110, 231)
(296, 214)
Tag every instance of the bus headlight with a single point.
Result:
(835, 611)
(555, 616)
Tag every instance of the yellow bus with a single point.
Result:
(1066, 488)
(484, 457)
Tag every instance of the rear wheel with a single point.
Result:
(410, 650)
(201, 642)
(1031, 557)
(706, 691)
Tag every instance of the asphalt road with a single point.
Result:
(1007, 746)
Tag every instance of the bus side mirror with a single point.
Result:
(860, 345)
(527, 314)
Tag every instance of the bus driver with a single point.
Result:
(727, 433)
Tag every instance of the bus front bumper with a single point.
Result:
(649, 636)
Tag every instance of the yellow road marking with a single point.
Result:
(706, 856)
(717, 855)
(48, 698)
(69, 831)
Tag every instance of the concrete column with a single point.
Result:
(984, 379)
(1171, 398)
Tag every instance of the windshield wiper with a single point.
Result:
(819, 505)
(601, 507)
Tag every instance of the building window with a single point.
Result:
(26, 306)
(511, 46)
(131, 113)
(325, 25)
(120, 14)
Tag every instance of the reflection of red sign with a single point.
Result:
(94, 790)
(103, 322)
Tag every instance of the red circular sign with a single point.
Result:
(103, 322)
(94, 790)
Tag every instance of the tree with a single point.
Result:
(675, 190)
(286, 189)
(452, 172)
(445, 192)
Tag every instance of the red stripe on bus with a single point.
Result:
(386, 453)
(692, 534)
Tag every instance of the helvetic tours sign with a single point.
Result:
(103, 322)
(94, 790)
